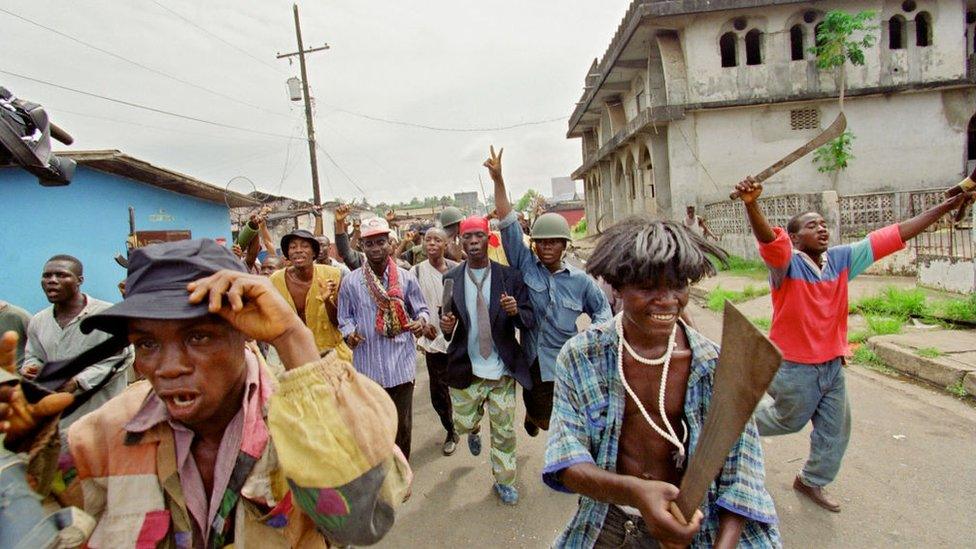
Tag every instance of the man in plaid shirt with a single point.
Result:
(607, 442)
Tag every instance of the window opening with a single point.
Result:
(797, 52)
(923, 30)
(804, 119)
(727, 44)
(908, 6)
(896, 33)
(754, 47)
(971, 153)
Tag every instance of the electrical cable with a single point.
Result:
(338, 167)
(140, 65)
(205, 31)
(441, 128)
(144, 107)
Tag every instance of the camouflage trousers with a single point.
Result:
(469, 407)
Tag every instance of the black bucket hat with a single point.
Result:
(304, 235)
(156, 285)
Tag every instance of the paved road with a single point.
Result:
(908, 479)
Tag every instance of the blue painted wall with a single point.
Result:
(88, 219)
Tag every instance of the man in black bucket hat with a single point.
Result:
(251, 460)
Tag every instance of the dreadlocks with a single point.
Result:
(639, 249)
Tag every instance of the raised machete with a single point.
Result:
(747, 363)
(832, 132)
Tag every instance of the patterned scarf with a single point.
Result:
(391, 315)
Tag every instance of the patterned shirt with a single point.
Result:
(587, 417)
(558, 299)
(387, 361)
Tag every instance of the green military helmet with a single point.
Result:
(450, 216)
(550, 225)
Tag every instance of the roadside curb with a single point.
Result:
(938, 371)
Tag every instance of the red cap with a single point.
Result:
(474, 223)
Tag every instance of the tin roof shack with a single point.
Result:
(89, 219)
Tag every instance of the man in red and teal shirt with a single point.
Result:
(810, 309)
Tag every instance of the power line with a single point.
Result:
(343, 172)
(144, 107)
(207, 32)
(442, 128)
(140, 65)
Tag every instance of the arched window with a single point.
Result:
(754, 47)
(971, 153)
(797, 51)
(727, 44)
(896, 33)
(923, 29)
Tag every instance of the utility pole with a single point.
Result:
(310, 126)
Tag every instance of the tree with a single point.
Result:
(527, 201)
(835, 46)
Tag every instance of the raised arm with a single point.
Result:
(494, 165)
(266, 240)
(749, 191)
(911, 228)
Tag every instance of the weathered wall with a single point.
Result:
(954, 275)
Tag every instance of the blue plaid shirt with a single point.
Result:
(587, 417)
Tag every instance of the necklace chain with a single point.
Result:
(670, 435)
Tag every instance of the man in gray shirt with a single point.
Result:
(55, 334)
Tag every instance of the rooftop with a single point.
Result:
(118, 163)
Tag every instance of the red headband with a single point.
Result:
(474, 224)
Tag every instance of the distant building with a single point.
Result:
(692, 96)
(468, 202)
(563, 186)
(89, 219)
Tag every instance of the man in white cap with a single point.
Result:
(381, 311)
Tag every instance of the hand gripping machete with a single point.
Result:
(746, 366)
(832, 132)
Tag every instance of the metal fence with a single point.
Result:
(859, 215)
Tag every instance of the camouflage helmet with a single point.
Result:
(451, 216)
(550, 225)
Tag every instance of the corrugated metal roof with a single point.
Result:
(118, 163)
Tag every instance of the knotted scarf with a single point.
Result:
(391, 315)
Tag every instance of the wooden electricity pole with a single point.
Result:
(310, 126)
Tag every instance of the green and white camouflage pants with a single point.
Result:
(469, 408)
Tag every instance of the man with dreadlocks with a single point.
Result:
(630, 403)
(809, 290)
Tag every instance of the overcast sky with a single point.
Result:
(454, 64)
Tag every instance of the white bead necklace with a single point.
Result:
(670, 435)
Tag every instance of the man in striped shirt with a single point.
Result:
(381, 312)
(810, 309)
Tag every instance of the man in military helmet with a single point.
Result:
(559, 292)
(450, 220)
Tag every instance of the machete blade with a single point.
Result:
(746, 366)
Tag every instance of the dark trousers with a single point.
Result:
(538, 399)
(402, 396)
(622, 530)
(440, 395)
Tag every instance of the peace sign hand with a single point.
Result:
(494, 164)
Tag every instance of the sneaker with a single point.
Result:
(531, 428)
(474, 443)
(450, 444)
(508, 494)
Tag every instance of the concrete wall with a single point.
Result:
(779, 75)
(89, 220)
(950, 274)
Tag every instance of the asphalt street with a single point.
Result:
(908, 478)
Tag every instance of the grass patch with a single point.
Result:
(893, 302)
(929, 352)
(957, 390)
(956, 309)
(716, 298)
(741, 266)
(762, 323)
(864, 356)
(884, 325)
(859, 336)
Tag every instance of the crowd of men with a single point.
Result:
(227, 400)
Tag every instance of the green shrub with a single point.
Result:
(957, 389)
(884, 325)
(715, 300)
(864, 356)
(894, 302)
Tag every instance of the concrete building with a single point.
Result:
(562, 186)
(691, 96)
(468, 202)
(89, 219)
